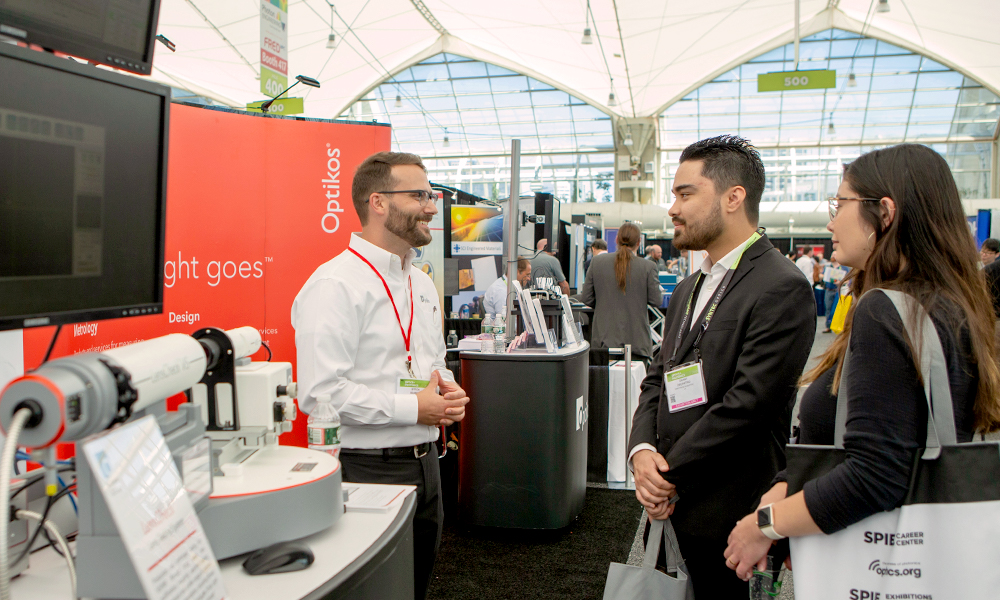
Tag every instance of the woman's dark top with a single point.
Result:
(887, 413)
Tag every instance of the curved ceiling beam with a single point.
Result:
(830, 18)
(460, 47)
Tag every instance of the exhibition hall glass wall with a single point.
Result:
(460, 115)
(884, 95)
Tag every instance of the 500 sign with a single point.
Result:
(796, 80)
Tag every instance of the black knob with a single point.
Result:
(36, 412)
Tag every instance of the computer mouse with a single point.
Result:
(282, 557)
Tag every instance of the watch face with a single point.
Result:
(763, 517)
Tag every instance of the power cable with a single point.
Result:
(53, 531)
(224, 38)
(628, 78)
(374, 56)
(17, 424)
(600, 45)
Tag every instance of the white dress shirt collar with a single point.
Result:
(726, 261)
(386, 262)
(713, 276)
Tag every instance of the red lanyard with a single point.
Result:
(408, 333)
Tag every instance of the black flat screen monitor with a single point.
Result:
(548, 206)
(119, 33)
(83, 164)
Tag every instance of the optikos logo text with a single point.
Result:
(330, 222)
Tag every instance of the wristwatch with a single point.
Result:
(765, 520)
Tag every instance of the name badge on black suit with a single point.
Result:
(685, 386)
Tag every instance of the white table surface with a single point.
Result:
(617, 428)
(47, 577)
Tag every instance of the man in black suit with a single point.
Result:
(715, 456)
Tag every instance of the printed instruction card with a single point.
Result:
(157, 523)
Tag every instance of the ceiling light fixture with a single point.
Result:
(852, 81)
(883, 6)
(587, 38)
(830, 129)
(611, 99)
(399, 101)
(446, 142)
(331, 40)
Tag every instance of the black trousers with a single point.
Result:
(706, 565)
(426, 475)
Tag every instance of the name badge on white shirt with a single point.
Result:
(685, 386)
(407, 385)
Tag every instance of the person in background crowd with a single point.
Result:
(618, 287)
(992, 273)
(678, 265)
(545, 264)
(807, 264)
(898, 222)
(654, 254)
(988, 253)
(495, 299)
(746, 320)
(831, 294)
(352, 345)
(598, 247)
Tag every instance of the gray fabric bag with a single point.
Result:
(646, 583)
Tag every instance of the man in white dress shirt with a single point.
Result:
(368, 333)
(806, 263)
(495, 299)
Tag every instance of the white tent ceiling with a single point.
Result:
(657, 51)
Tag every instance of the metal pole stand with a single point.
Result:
(629, 479)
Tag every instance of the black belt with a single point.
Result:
(418, 451)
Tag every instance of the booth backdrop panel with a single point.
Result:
(254, 205)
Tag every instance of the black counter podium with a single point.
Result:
(523, 458)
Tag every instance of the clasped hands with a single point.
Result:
(748, 546)
(444, 408)
(653, 491)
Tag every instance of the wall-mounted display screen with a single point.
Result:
(119, 33)
(83, 156)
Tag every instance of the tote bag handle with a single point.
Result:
(659, 530)
(933, 370)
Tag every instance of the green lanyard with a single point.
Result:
(715, 302)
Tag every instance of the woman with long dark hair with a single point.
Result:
(618, 287)
(898, 222)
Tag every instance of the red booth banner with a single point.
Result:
(254, 205)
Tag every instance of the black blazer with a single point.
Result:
(723, 454)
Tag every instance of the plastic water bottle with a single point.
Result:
(452, 339)
(486, 332)
(324, 427)
(499, 335)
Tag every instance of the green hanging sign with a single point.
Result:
(796, 80)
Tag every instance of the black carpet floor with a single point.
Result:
(512, 565)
